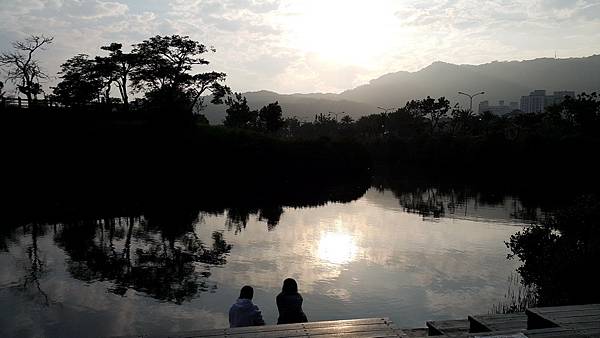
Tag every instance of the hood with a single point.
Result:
(244, 305)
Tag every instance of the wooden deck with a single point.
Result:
(549, 322)
(583, 319)
(360, 328)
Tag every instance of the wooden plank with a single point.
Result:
(499, 322)
(348, 329)
(366, 321)
(555, 332)
(568, 308)
(335, 329)
(416, 333)
(575, 313)
(579, 319)
(504, 316)
(575, 317)
(494, 333)
(590, 332)
(359, 335)
(375, 325)
(450, 328)
(536, 320)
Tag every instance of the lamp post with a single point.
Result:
(471, 96)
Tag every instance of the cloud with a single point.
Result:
(310, 45)
(94, 9)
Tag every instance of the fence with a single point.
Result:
(18, 102)
(21, 103)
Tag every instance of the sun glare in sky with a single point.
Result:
(347, 32)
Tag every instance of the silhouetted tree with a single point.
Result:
(372, 126)
(583, 111)
(347, 120)
(270, 118)
(105, 71)
(238, 113)
(166, 66)
(23, 68)
(461, 120)
(81, 82)
(558, 254)
(291, 126)
(120, 65)
(432, 110)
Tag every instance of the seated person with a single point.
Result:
(289, 304)
(243, 312)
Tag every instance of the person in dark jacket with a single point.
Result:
(289, 304)
(243, 312)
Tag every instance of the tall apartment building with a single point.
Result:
(537, 100)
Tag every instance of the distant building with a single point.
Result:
(537, 100)
(500, 109)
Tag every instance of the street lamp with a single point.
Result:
(471, 96)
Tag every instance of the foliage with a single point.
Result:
(270, 118)
(559, 254)
(167, 65)
(583, 112)
(23, 68)
(81, 81)
(119, 66)
(238, 113)
(428, 109)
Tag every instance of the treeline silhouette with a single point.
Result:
(90, 144)
(429, 135)
(425, 136)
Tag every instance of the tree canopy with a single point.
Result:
(168, 63)
(22, 66)
(81, 82)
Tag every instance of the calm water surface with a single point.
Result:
(367, 258)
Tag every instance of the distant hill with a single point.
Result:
(500, 80)
(303, 106)
(507, 80)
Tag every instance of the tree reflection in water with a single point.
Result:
(140, 254)
(435, 201)
(157, 251)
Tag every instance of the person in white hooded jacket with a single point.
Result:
(243, 312)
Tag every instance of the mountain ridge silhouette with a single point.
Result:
(501, 80)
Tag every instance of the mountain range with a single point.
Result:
(500, 80)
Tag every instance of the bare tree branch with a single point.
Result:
(21, 66)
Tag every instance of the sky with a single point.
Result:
(305, 46)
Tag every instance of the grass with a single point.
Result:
(518, 297)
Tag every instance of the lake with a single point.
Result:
(411, 256)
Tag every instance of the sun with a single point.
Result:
(342, 31)
(337, 248)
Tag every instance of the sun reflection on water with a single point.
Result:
(337, 248)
